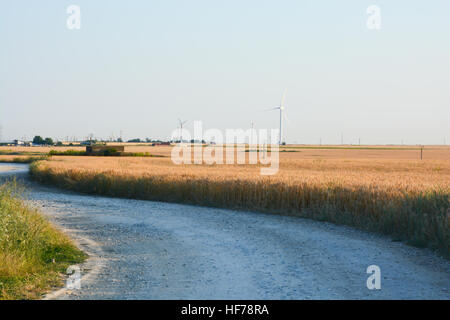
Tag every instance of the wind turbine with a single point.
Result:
(281, 108)
(181, 124)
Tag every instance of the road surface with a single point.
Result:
(154, 250)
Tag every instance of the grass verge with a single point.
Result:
(33, 253)
(22, 159)
(104, 153)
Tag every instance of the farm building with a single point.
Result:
(19, 143)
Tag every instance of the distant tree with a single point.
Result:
(48, 141)
(135, 140)
(59, 143)
(119, 140)
(38, 140)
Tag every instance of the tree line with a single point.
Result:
(41, 141)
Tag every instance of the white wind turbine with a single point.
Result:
(181, 124)
(281, 108)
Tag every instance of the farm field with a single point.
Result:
(382, 189)
(289, 151)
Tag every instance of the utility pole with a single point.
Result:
(421, 152)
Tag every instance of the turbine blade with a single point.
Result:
(274, 108)
(286, 117)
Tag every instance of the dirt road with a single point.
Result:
(153, 250)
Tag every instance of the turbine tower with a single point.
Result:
(181, 124)
(281, 108)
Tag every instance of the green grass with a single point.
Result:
(30, 159)
(33, 253)
(67, 153)
(21, 153)
(27, 156)
(104, 153)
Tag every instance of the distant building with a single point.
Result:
(19, 143)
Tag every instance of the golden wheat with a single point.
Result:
(405, 198)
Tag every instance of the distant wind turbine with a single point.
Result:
(181, 124)
(281, 108)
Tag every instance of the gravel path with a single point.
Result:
(153, 250)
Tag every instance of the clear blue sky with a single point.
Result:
(137, 66)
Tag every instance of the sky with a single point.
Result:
(135, 67)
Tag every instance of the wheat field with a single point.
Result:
(384, 190)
